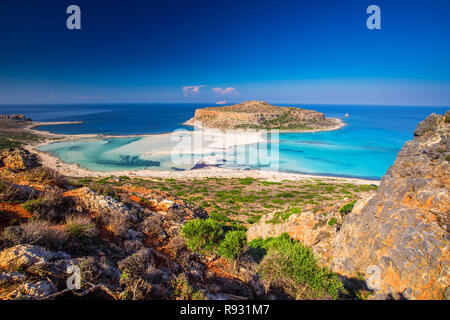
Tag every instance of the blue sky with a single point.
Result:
(223, 50)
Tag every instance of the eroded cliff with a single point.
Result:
(395, 239)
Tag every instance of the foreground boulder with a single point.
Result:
(18, 159)
(401, 235)
(23, 256)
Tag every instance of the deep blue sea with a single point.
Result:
(365, 148)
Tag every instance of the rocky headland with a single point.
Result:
(262, 115)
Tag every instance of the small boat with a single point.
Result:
(346, 114)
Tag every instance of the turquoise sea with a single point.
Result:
(365, 148)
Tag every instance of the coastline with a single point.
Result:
(75, 170)
(207, 172)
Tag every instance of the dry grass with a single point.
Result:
(46, 176)
(80, 227)
(117, 224)
(51, 205)
(36, 232)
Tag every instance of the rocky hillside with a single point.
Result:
(401, 231)
(404, 228)
(262, 115)
(124, 239)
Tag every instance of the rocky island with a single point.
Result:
(262, 115)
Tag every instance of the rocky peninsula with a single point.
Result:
(262, 115)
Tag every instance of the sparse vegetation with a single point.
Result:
(293, 265)
(51, 205)
(8, 144)
(183, 291)
(347, 208)
(36, 232)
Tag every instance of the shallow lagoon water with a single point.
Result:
(365, 148)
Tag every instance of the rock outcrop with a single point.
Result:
(18, 159)
(397, 237)
(311, 228)
(402, 232)
(262, 115)
(14, 117)
(23, 256)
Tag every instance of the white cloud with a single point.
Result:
(221, 102)
(224, 91)
(190, 90)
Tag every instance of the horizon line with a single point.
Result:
(231, 103)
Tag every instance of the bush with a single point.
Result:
(47, 176)
(105, 190)
(34, 205)
(36, 232)
(347, 208)
(291, 263)
(202, 235)
(332, 222)
(183, 291)
(118, 224)
(50, 206)
(233, 245)
(81, 227)
(137, 271)
(152, 225)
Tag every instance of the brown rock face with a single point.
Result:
(403, 231)
(259, 114)
(18, 159)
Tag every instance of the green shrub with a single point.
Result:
(233, 245)
(293, 265)
(34, 205)
(332, 222)
(347, 208)
(202, 235)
